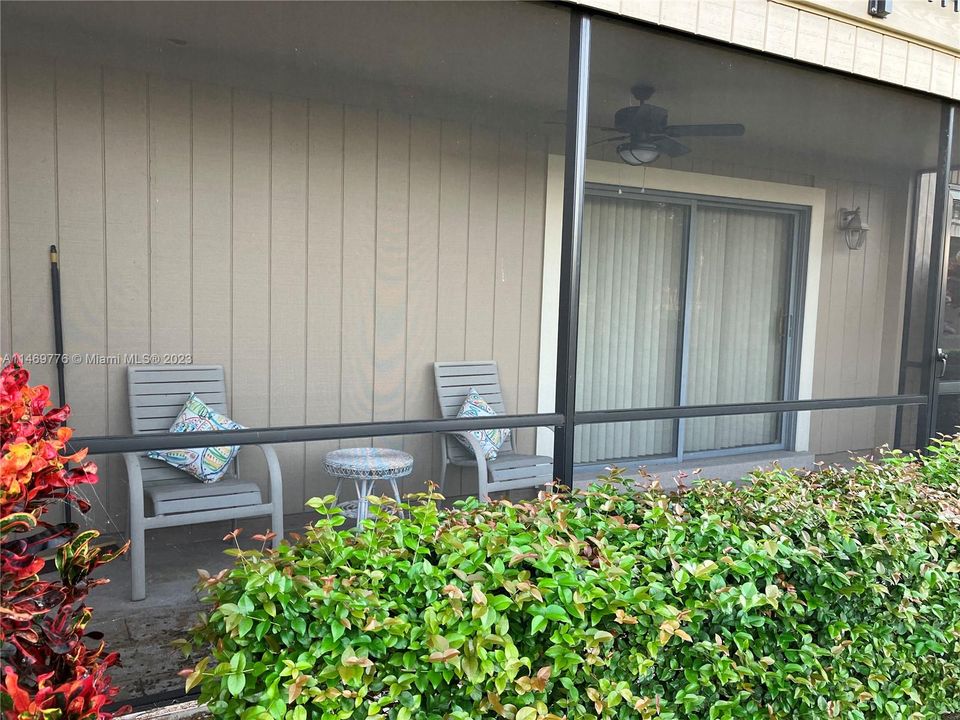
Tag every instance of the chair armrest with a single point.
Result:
(478, 454)
(134, 483)
(273, 469)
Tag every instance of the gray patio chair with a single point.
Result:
(174, 498)
(509, 470)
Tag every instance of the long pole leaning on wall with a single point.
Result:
(936, 278)
(58, 344)
(575, 152)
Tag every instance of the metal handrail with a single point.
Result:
(692, 411)
(312, 433)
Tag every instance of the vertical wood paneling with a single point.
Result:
(80, 199)
(288, 255)
(862, 370)
(359, 264)
(32, 194)
(212, 251)
(851, 197)
(6, 298)
(250, 357)
(454, 212)
(127, 259)
(844, 375)
(535, 188)
(858, 331)
(452, 265)
(81, 230)
(895, 220)
(257, 233)
(481, 240)
(421, 321)
(823, 424)
(171, 287)
(392, 201)
(508, 270)
(887, 258)
(871, 340)
(324, 283)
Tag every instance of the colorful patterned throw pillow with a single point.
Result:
(206, 464)
(490, 440)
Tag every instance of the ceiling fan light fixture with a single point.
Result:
(638, 153)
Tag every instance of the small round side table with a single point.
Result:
(365, 466)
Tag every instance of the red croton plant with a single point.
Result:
(52, 667)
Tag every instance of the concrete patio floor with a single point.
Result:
(143, 631)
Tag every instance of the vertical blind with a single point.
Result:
(631, 277)
(739, 302)
(633, 270)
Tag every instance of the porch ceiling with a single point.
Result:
(490, 62)
(793, 117)
(436, 58)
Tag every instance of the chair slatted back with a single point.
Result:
(454, 380)
(156, 396)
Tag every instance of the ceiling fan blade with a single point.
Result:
(604, 128)
(609, 139)
(706, 130)
(671, 147)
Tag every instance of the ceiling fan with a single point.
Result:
(647, 134)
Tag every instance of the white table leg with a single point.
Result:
(358, 484)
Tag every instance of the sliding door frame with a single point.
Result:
(796, 279)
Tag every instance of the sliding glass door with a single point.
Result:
(684, 301)
(631, 300)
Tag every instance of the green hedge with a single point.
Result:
(834, 594)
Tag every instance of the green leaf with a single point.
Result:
(235, 683)
(555, 613)
(539, 622)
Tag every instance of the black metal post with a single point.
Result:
(936, 276)
(57, 323)
(58, 344)
(575, 152)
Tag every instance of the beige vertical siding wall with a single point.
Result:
(325, 255)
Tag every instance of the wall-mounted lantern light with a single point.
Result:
(854, 229)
